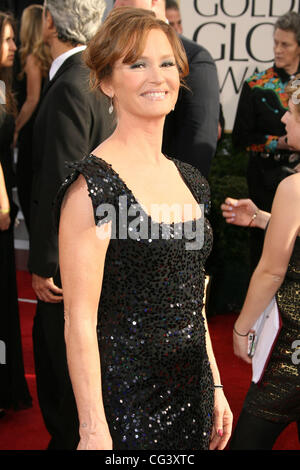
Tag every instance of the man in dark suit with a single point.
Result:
(70, 123)
(191, 130)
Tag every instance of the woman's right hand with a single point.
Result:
(238, 211)
(99, 439)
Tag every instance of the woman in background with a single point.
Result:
(273, 404)
(35, 61)
(258, 127)
(13, 390)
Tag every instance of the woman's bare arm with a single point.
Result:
(4, 203)
(82, 257)
(280, 238)
(222, 419)
(245, 213)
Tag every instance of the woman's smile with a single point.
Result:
(155, 95)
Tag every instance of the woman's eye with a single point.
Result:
(138, 65)
(169, 63)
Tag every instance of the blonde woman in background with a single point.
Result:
(35, 61)
(274, 403)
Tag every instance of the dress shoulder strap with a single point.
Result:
(101, 185)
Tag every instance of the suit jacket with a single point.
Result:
(70, 123)
(191, 130)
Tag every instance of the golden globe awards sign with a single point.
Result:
(239, 36)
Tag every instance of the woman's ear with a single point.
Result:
(48, 20)
(106, 88)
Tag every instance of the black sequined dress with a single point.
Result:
(157, 383)
(277, 398)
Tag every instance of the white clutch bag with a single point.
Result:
(264, 333)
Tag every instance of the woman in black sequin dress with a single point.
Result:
(273, 403)
(159, 386)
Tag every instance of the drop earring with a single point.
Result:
(111, 108)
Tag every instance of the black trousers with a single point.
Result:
(253, 433)
(54, 388)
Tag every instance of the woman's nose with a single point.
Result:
(283, 119)
(156, 74)
(13, 46)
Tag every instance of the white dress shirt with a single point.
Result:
(57, 63)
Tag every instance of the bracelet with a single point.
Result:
(4, 211)
(218, 386)
(239, 334)
(253, 217)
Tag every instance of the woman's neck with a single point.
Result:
(142, 137)
(292, 69)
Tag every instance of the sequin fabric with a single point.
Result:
(156, 378)
(278, 397)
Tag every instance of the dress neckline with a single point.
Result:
(177, 164)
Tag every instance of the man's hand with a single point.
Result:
(46, 290)
(4, 222)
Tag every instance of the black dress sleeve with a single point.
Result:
(100, 188)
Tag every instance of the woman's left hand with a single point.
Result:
(240, 347)
(222, 426)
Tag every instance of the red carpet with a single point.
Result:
(25, 430)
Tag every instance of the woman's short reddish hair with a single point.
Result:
(124, 34)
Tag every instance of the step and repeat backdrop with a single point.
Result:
(239, 36)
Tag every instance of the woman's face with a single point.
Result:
(291, 119)
(286, 50)
(149, 87)
(8, 47)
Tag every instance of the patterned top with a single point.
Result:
(263, 102)
(156, 379)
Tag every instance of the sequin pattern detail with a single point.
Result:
(278, 398)
(157, 383)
